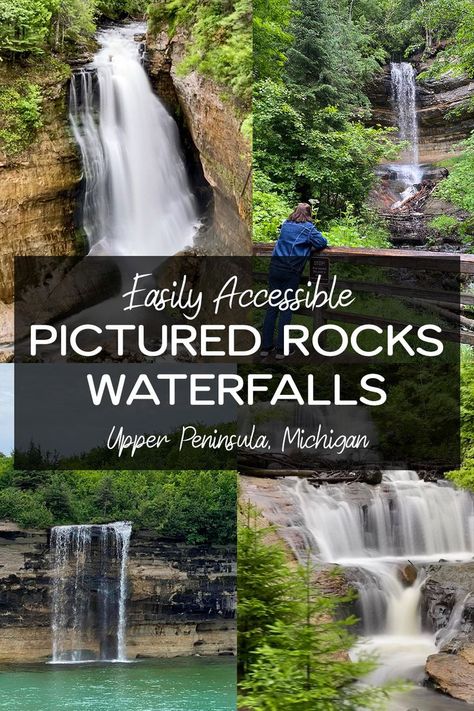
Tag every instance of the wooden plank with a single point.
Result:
(351, 317)
(429, 295)
(452, 297)
(412, 258)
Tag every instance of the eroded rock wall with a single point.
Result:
(445, 112)
(448, 608)
(38, 190)
(180, 597)
(215, 123)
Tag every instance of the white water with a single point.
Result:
(376, 532)
(89, 592)
(137, 198)
(403, 82)
(123, 531)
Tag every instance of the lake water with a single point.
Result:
(189, 684)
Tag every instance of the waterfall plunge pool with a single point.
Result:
(180, 684)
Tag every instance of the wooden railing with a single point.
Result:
(449, 305)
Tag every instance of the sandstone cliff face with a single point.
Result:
(215, 127)
(180, 598)
(448, 607)
(37, 190)
(440, 132)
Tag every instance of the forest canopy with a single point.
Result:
(194, 506)
(32, 27)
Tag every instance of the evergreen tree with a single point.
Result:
(292, 645)
(264, 586)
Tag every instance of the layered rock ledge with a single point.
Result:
(181, 598)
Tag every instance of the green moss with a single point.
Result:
(20, 115)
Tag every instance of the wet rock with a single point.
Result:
(448, 585)
(445, 112)
(453, 674)
(38, 187)
(408, 574)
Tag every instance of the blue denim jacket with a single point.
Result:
(295, 243)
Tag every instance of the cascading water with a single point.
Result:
(89, 572)
(137, 200)
(404, 100)
(383, 535)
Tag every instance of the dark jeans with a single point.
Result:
(283, 280)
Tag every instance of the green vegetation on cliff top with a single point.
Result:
(35, 38)
(220, 42)
(195, 506)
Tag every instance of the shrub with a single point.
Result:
(446, 224)
(20, 108)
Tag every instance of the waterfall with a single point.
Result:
(89, 592)
(122, 537)
(137, 200)
(383, 535)
(403, 86)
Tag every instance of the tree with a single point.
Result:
(264, 586)
(105, 495)
(24, 26)
(271, 36)
(292, 647)
(74, 23)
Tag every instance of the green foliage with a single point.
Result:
(194, 506)
(264, 587)
(269, 210)
(351, 230)
(24, 26)
(20, 115)
(446, 224)
(309, 139)
(31, 27)
(458, 187)
(292, 646)
(271, 36)
(74, 23)
(453, 21)
(465, 475)
(221, 39)
(24, 508)
(118, 9)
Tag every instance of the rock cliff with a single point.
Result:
(448, 607)
(180, 597)
(38, 187)
(445, 112)
(214, 123)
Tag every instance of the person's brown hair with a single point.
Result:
(302, 213)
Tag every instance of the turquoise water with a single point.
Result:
(190, 684)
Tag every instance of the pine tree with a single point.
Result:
(293, 649)
(264, 586)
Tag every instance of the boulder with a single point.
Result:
(453, 674)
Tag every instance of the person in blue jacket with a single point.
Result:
(298, 236)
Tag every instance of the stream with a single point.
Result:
(407, 183)
(384, 536)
